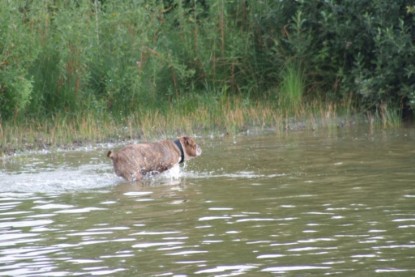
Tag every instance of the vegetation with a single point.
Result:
(81, 69)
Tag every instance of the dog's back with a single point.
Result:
(134, 161)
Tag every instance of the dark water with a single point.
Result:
(337, 202)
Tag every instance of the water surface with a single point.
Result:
(334, 202)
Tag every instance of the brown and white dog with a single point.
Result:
(136, 160)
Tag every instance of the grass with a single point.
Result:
(206, 116)
(291, 89)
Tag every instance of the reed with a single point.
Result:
(85, 56)
(204, 116)
(291, 89)
(384, 117)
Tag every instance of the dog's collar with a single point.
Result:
(179, 145)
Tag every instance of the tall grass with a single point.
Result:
(291, 89)
(117, 57)
(204, 116)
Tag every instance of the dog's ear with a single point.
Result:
(110, 154)
(186, 140)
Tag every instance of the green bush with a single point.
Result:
(363, 48)
(123, 57)
(18, 50)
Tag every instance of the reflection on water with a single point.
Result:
(321, 203)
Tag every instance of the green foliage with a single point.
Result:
(128, 56)
(15, 92)
(292, 88)
(18, 49)
(381, 67)
(363, 48)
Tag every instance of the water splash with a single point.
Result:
(231, 175)
(58, 180)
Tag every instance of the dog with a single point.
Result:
(135, 161)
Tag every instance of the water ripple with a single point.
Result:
(230, 270)
(334, 210)
(285, 269)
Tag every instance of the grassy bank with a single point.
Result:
(207, 117)
(79, 72)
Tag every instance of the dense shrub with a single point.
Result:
(18, 50)
(120, 57)
(359, 48)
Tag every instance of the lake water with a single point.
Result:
(329, 202)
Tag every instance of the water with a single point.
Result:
(336, 202)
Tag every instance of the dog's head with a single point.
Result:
(190, 148)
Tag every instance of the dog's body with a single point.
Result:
(136, 160)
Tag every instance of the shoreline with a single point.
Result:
(22, 139)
